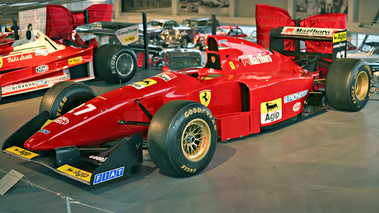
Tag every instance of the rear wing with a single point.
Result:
(121, 33)
(322, 45)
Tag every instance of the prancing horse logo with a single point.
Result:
(205, 97)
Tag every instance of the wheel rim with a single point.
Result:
(124, 64)
(361, 85)
(196, 140)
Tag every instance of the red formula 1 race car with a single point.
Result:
(37, 62)
(225, 30)
(243, 89)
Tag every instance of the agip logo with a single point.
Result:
(205, 97)
(271, 111)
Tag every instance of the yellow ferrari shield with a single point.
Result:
(205, 97)
(213, 59)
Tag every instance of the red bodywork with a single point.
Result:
(38, 64)
(246, 87)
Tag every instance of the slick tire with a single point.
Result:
(1, 93)
(64, 97)
(348, 84)
(182, 138)
(115, 63)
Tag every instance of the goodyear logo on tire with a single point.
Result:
(271, 111)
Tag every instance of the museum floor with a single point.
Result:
(325, 163)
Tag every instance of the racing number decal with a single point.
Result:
(89, 108)
(205, 97)
(271, 111)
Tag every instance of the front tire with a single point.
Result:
(64, 97)
(348, 84)
(182, 138)
(115, 63)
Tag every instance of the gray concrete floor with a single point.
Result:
(326, 163)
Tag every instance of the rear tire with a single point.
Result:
(115, 63)
(64, 97)
(348, 84)
(182, 138)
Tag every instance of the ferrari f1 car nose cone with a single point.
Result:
(32, 144)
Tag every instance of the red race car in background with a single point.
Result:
(243, 89)
(225, 30)
(37, 61)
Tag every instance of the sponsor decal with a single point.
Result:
(22, 152)
(271, 111)
(339, 37)
(253, 60)
(98, 158)
(223, 41)
(296, 107)
(78, 173)
(23, 86)
(327, 32)
(232, 65)
(205, 97)
(41, 82)
(44, 131)
(109, 175)
(42, 69)
(130, 39)
(142, 84)
(41, 52)
(19, 58)
(127, 35)
(258, 77)
(75, 60)
(1, 62)
(167, 76)
(295, 96)
(62, 120)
